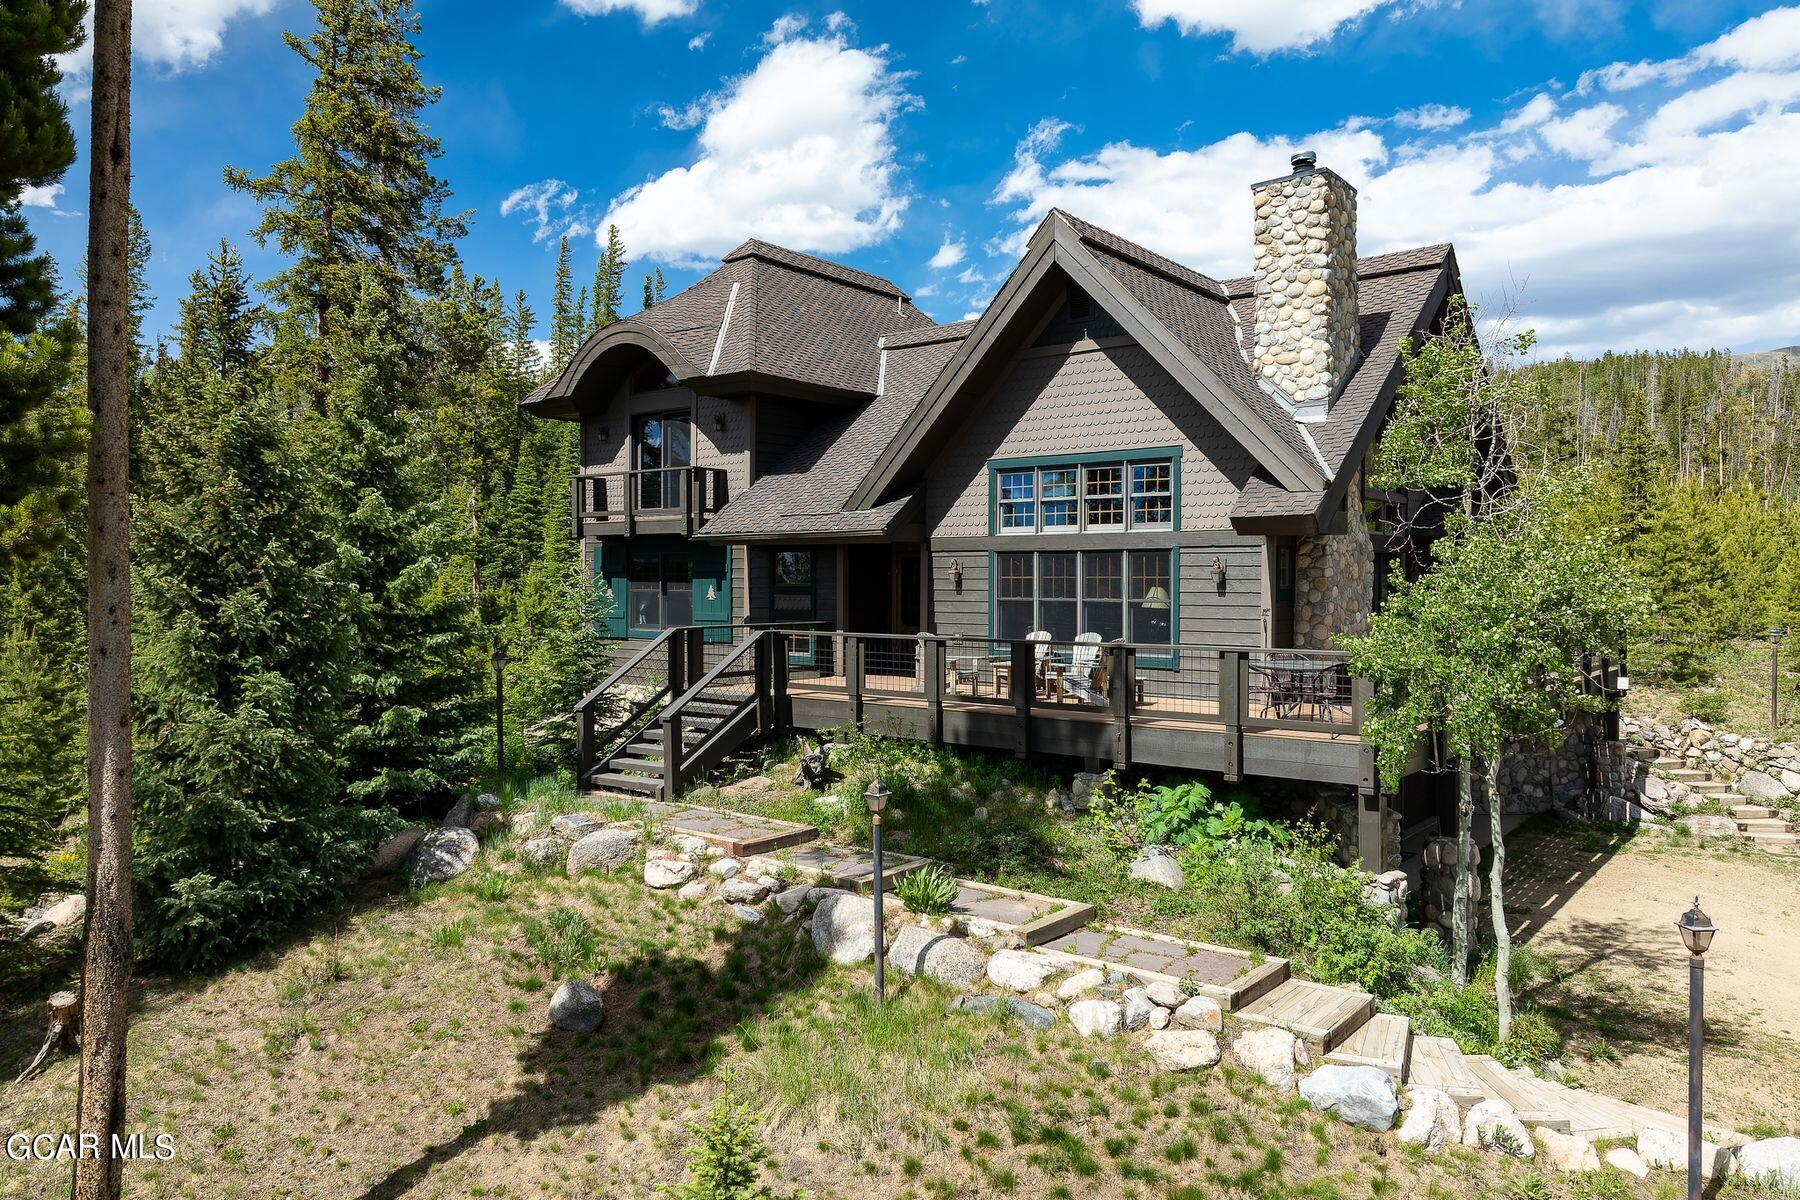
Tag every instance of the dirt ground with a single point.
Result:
(1603, 905)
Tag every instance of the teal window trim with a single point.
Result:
(1125, 457)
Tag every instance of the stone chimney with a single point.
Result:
(1305, 270)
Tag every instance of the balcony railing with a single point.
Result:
(659, 499)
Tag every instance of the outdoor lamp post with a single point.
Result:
(1697, 931)
(500, 660)
(877, 798)
(1775, 636)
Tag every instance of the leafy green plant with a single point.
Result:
(725, 1161)
(1182, 814)
(929, 892)
(493, 887)
(563, 942)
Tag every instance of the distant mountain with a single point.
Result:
(1763, 358)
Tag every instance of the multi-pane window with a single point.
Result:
(1116, 594)
(660, 591)
(1094, 496)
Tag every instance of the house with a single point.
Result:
(1161, 471)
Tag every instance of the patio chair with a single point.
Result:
(1085, 678)
(1003, 666)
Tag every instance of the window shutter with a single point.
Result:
(609, 575)
(712, 588)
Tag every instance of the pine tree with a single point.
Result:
(566, 321)
(1636, 471)
(36, 146)
(358, 204)
(649, 294)
(217, 328)
(43, 434)
(661, 290)
(608, 294)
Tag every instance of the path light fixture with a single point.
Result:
(877, 799)
(500, 660)
(1775, 636)
(1696, 930)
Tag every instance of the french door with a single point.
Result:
(664, 442)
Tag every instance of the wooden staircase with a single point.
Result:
(1760, 824)
(639, 767)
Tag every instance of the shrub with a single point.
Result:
(929, 892)
(1709, 704)
(1469, 1016)
(725, 1162)
(1176, 814)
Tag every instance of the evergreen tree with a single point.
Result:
(566, 321)
(358, 204)
(217, 328)
(609, 282)
(36, 146)
(655, 289)
(43, 434)
(1636, 471)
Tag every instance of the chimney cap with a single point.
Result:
(1304, 160)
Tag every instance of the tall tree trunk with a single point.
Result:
(106, 971)
(1462, 915)
(1497, 903)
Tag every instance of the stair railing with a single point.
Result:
(587, 710)
(752, 659)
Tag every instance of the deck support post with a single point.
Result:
(1123, 681)
(677, 669)
(696, 655)
(931, 657)
(853, 677)
(673, 750)
(1234, 701)
(779, 649)
(629, 483)
(765, 684)
(584, 745)
(1022, 676)
(1371, 829)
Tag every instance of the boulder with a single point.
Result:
(1081, 789)
(1159, 1017)
(1773, 1163)
(747, 914)
(843, 928)
(1709, 825)
(1492, 1124)
(1270, 1053)
(541, 853)
(444, 854)
(395, 850)
(1433, 1121)
(1138, 1007)
(458, 816)
(688, 844)
(1200, 1012)
(725, 868)
(577, 1007)
(694, 891)
(1034, 1015)
(1362, 1096)
(668, 872)
(762, 864)
(741, 889)
(1081, 981)
(604, 850)
(1022, 971)
(1183, 1049)
(487, 802)
(1156, 864)
(1667, 1149)
(1624, 1158)
(1162, 992)
(950, 961)
(1567, 1152)
(1761, 788)
(572, 827)
(57, 914)
(790, 900)
(1096, 1018)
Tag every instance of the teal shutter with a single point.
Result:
(609, 575)
(712, 588)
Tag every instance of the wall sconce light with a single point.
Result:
(1218, 570)
(718, 422)
(605, 433)
(956, 574)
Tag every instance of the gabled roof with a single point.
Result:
(767, 315)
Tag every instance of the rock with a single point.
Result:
(1156, 864)
(1709, 825)
(458, 816)
(747, 914)
(1773, 1163)
(1034, 1015)
(487, 802)
(762, 865)
(1159, 1018)
(604, 850)
(1270, 1053)
(843, 928)
(950, 961)
(522, 823)
(694, 891)
(1667, 1149)
(395, 850)
(1081, 789)
(1624, 1158)
(1138, 1008)
(725, 868)
(1162, 992)
(668, 872)
(572, 827)
(63, 913)
(1183, 1049)
(1761, 788)
(1362, 1096)
(740, 889)
(1200, 1012)
(577, 1007)
(1096, 1018)
(1654, 788)
(1493, 1125)
(481, 822)
(1081, 981)
(688, 844)
(790, 900)
(1434, 1121)
(1022, 971)
(444, 854)
(1566, 1152)
(815, 895)
(541, 853)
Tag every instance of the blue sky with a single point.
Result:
(1615, 174)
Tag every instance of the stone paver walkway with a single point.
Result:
(736, 833)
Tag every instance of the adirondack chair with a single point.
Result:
(1084, 678)
(1003, 667)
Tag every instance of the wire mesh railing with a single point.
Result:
(1298, 687)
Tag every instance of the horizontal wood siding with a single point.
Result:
(959, 613)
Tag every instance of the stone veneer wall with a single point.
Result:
(1334, 581)
(1305, 337)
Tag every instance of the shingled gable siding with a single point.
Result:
(1081, 403)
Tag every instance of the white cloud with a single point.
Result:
(1769, 42)
(799, 151)
(699, 40)
(1675, 230)
(651, 12)
(1258, 26)
(176, 34)
(40, 197)
(1432, 116)
(784, 29)
(551, 207)
(948, 255)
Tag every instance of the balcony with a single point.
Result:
(658, 500)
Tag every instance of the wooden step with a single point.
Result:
(1758, 826)
(637, 766)
(1437, 1062)
(1752, 812)
(1529, 1104)
(1319, 1013)
(1383, 1041)
(1708, 787)
(643, 785)
(1689, 775)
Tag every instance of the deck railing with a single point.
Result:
(671, 498)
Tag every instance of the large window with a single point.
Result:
(1105, 496)
(664, 442)
(660, 591)
(1117, 594)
